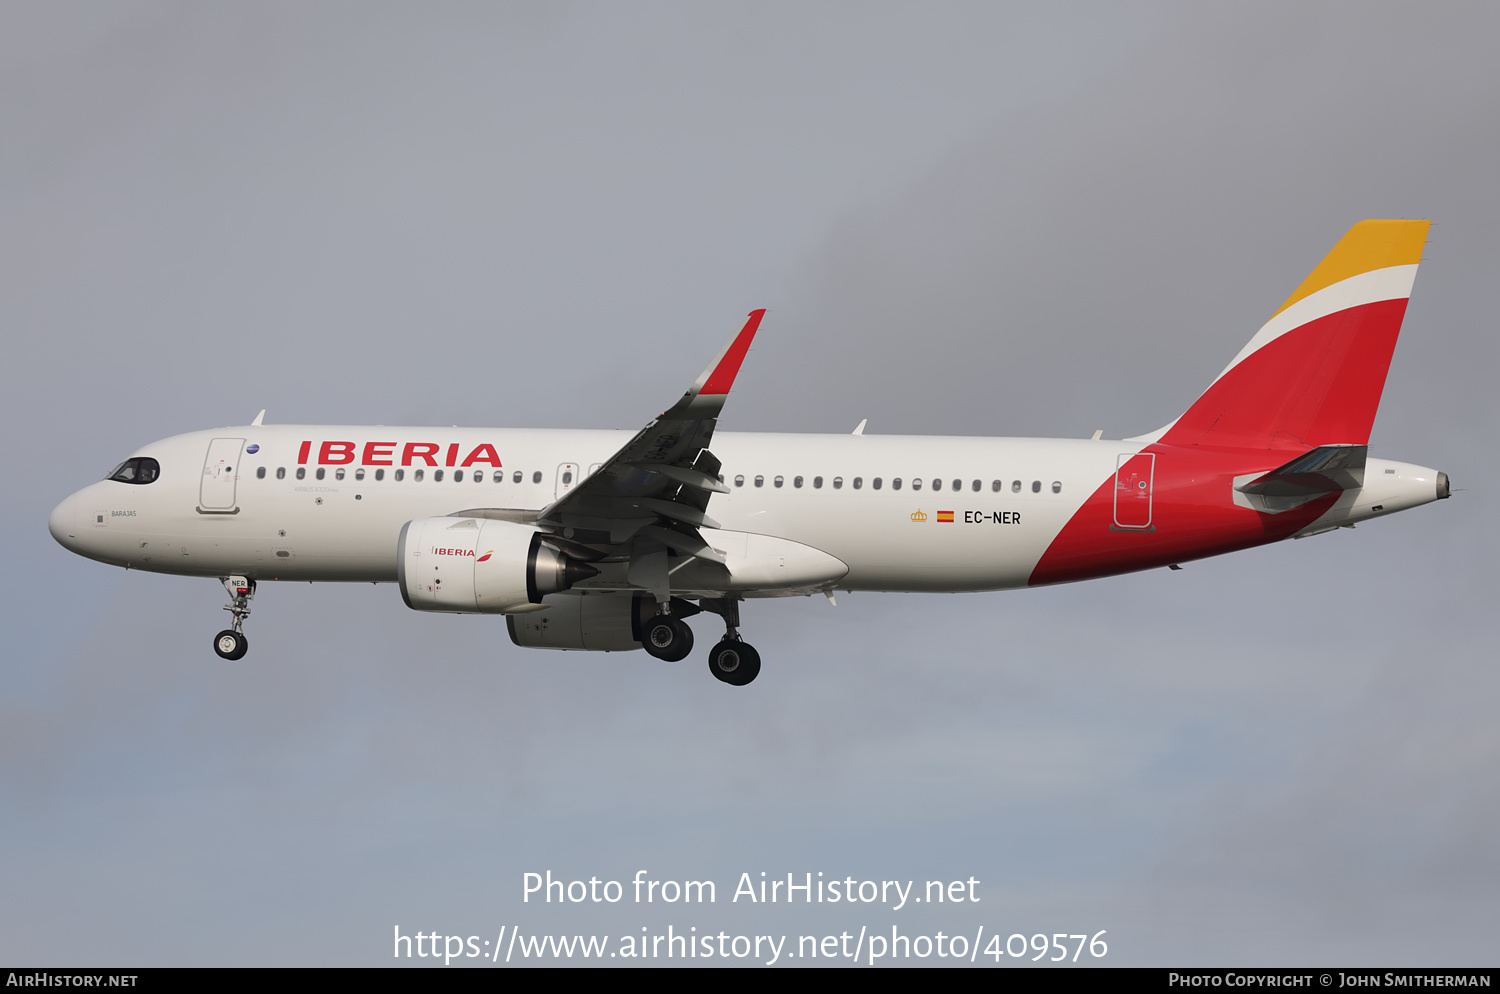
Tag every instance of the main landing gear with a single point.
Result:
(732, 661)
(666, 636)
(231, 642)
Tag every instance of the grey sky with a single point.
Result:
(967, 219)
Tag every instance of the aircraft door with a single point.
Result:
(1133, 478)
(221, 468)
(567, 479)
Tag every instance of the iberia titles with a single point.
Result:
(385, 454)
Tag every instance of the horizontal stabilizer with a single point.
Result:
(1328, 469)
(1324, 470)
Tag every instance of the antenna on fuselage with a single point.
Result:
(258, 417)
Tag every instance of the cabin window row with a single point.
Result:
(418, 475)
(876, 483)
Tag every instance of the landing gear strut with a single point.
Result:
(733, 661)
(231, 642)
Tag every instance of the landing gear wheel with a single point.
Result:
(667, 638)
(734, 662)
(230, 644)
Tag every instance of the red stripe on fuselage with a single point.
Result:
(1193, 515)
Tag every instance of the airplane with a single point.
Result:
(585, 543)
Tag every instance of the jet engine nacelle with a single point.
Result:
(473, 565)
(608, 622)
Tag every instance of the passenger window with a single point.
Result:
(338, 474)
(1015, 486)
(458, 475)
(916, 484)
(995, 486)
(937, 484)
(417, 476)
(817, 482)
(499, 476)
(567, 476)
(380, 474)
(739, 481)
(958, 484)
(517, 477)
(1057, 486)
(479, 476)
(359, 474)
(838, 483)
(320, 472)
(976, 486)
(779, 481)
(301, 472)
(280, 472)
(437, 476)
(875, 483)
(896, 483)
(1036, 486)
(760, 481)
(536, 477)
(400, 475)
(858, 482)
(797, 482)
(260, 472)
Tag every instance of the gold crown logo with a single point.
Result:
(918, 515)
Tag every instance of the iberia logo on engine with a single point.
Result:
(456, 552)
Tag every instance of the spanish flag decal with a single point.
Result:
(945, 516)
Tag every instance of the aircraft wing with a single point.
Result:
(653, 493)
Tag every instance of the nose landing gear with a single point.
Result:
(231, 642)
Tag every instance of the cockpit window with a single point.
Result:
(141, 471)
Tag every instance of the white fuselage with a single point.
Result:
(337, 527)
(966, 514)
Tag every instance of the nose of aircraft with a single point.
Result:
(63, 523)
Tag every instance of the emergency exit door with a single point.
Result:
(567, 479)
(1133, 477)
(221, 468)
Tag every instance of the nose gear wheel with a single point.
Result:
(231, 642)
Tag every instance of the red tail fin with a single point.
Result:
(1314, 373)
